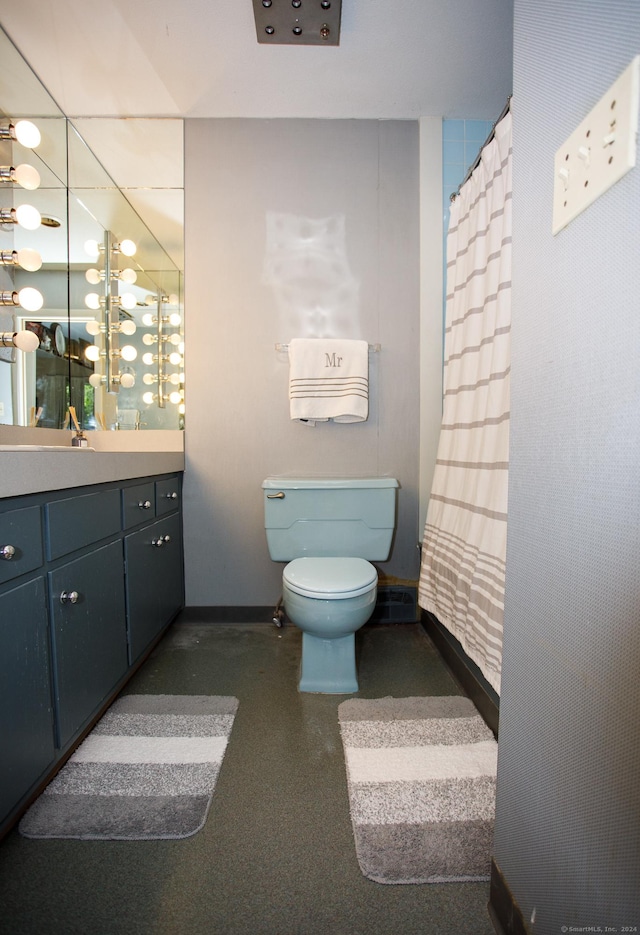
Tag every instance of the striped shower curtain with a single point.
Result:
(463, 555)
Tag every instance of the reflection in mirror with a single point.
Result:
(109, 323)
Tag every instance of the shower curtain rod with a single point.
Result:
(476, 162)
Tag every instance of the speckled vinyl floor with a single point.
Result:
(276, 856)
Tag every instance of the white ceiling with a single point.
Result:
(200, 58)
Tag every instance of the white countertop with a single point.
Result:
(29, 469)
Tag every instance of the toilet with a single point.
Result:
(328, 531)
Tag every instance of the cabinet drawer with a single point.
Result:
(79, 521)
(168, 495)
(20, 542)
(138, 504)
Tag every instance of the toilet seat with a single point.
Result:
(331, 578)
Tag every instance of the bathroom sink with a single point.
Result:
(42, 448)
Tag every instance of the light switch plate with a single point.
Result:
(599, 151)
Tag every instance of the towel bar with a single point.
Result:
(373, 348)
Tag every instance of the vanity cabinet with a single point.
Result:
(89, 580)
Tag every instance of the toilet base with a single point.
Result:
(328, 666)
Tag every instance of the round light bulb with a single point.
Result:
(127, 380)
(92, 248)
(92, 300)
(173, 299)
(26, 176)
(96, 379)
(92, 353)
(93, 327)
(127, 300)
(175, 359)
(174, 339)
(175, 319)
(30, 299)
(181, 347)
(128, 327)
(27, 134)
(148, 398)
(174, 379)
(127, 275)
(148, 319)
(181, 409)
(128, 352)
(28, 217)
(26, 340)
(29, 259)
(148, 339)
(127, 247)
(148, 379)
(147, 360)
(175, 398)
(150, 300)
(93, 276)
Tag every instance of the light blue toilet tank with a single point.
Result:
(329, 517)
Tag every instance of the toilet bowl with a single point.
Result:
(329, 599)
(329, 531)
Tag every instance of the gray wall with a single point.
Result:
(253, 279)
(568, 807)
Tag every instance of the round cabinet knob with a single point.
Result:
(167, 538)
(171, 496)
(145, 504)
(7, 552)
(69, 597)
(159, 542)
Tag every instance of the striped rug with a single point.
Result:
(421, 781)
(147, 770)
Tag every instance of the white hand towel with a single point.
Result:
(328, 379)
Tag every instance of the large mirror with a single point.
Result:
(103, 306)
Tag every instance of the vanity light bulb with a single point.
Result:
(93, 327)
(93, 276)
(175, 398)
(127, 247)
(173, 299)
(28, 217)
(148, 398)
(92, 353)
(127, 275)
(181, 409)
(27, 134)
(149, 379)
(128, 352)
(26, 340)
(29, 259)
(92, 248)
(92, 300)
(174, 379)
(96, 380)
(127, 380)
(175, 319)
(26, 176)
(128, 327)
(127, 300)
(175, 359)
(174, 339)
(30, 299)
(147, 360)
(150, 300)
(149, 339)
(148, 320)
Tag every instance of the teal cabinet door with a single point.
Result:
(155, 580)
(89, 635)
(26, 714)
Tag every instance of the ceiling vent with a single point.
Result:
(298, 22)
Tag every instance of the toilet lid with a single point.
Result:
(330, 578)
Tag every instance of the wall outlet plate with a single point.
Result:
(599, 151)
